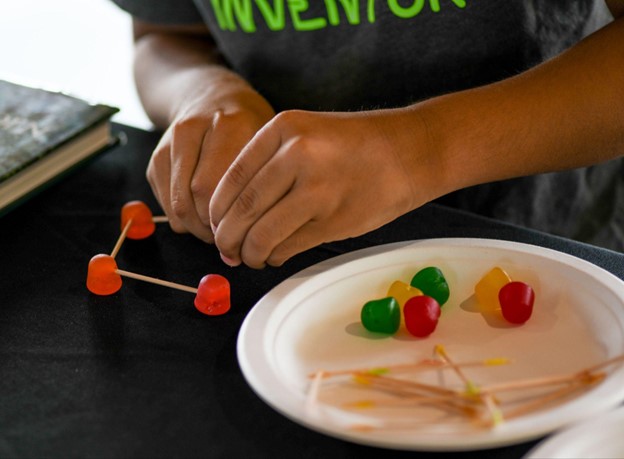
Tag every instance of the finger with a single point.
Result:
(252, 158)
(334, 221)
(158, 176)
(311, 234)
(186, 147)
(263, 193)
(225, 142)
(275, 227)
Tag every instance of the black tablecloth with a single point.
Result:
(141, 373)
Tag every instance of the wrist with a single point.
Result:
(212, 89)
(426, 151)
(466, 139)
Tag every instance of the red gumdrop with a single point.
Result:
(516, 300)
(101, 276)
(213, 295)
(421, 314)
(142, 220)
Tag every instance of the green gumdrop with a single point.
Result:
(381, 316)
(432, 283)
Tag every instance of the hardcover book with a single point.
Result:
(43, 136)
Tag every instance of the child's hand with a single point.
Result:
(308, 178)
(196, 150)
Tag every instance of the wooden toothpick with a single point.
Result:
(124, 233)
(154, 280)
(541, 382)
(472, 389)
(313, 392)
(606, 363)
(473, 399)
(423, 365)
(122, 238)
(401, 387)
(539, 402)
(410, 390)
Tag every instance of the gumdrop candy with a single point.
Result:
(213, 295)
(142, 220)
(486, 290)
(381, 316)
(421, 315)
(516, 300)
(102, 278)
(402, 292)
(431, 282)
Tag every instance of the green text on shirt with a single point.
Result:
(232, 14)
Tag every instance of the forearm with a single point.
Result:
(565, 113)
(173, 70)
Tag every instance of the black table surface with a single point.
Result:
(141, 373)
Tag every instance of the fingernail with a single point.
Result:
(229, 261)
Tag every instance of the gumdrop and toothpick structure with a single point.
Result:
(212, 295)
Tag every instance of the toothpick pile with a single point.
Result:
(397, 387)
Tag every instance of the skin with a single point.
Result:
(265, 187)
(209, 114)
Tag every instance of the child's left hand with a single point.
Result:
(308, 178)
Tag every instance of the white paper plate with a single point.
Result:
(310, 322)
(599, 437)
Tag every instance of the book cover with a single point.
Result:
(43, 135)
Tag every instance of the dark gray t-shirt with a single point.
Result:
(363, 54)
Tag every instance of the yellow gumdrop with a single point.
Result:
(402, 292)
(488, 287)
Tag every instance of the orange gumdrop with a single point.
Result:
(101, 276)
(142, 220)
